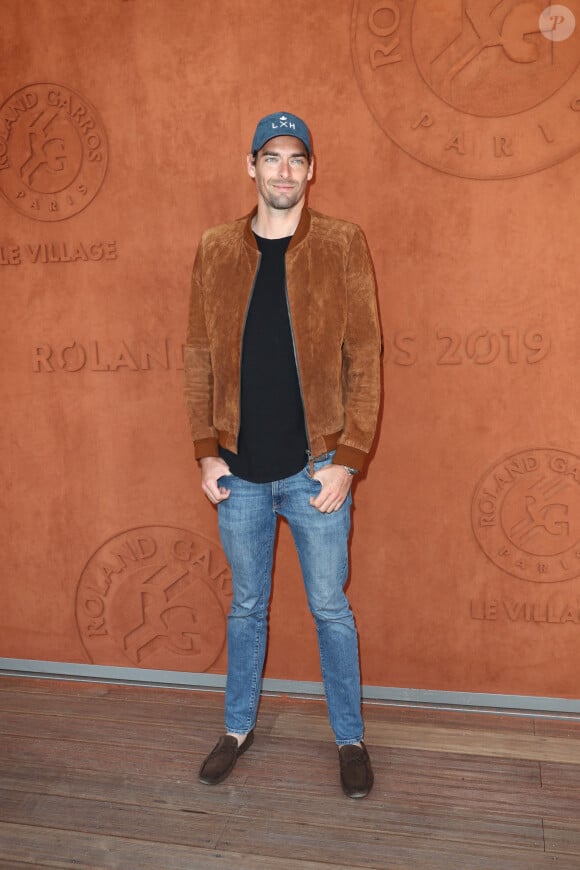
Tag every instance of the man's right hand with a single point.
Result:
(212, 468)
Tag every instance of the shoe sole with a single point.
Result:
(358, 794)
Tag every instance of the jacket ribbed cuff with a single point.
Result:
(350, 456)
(206, 447)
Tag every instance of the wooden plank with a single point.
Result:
(26, 846)
(365, 846)
(474, 720)
(153, 735)
(81, 705)
(157, 698)
(381, 851)
(110, 691)
(151, 790)
(188, 827)
(132, 759)
(457, 741)
(397, 816)
(448, 824)
(467, 768)
(561, 776)
(563, 726)
(14, 865)
(563, 836)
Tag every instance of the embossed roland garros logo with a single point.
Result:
(471, 87)
(53, 151)
(526, 515)
(155, 597)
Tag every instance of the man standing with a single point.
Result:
(282, 391)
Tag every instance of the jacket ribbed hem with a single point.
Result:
(344, 455)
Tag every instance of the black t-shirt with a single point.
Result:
(272, 443)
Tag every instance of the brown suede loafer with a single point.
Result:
(222, 759)
(356, 773)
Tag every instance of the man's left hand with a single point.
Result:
(336, 482)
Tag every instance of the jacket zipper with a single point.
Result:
(309, 449)
(242, 345)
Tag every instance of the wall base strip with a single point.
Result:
(504, 704)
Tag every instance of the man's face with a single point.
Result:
(282, 171)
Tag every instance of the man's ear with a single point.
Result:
(310, 170)
(251, 165)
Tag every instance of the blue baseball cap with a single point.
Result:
(281, 124)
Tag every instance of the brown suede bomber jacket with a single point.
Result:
(333, 312)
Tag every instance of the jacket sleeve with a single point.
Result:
(198, 369)
(361, 357)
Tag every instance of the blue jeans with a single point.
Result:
(247, 523)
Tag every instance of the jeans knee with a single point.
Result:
(254, 606)
(332, 612)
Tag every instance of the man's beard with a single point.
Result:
(283, 201)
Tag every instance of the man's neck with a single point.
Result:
(276, 223)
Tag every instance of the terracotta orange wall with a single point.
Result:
(123, 130)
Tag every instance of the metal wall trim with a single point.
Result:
(514, 704)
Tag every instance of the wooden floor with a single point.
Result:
(97, 776)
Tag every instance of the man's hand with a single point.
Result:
(336, 482)
(212, 468)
